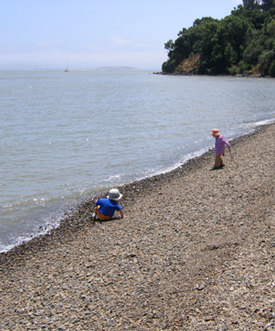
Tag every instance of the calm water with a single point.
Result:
(67, 136)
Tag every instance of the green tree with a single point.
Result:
(169, 66)
(204, 20)
(231, 36)
(251, 4)
(272, 69)
(242, 41)
(266, 59)
(268, 4)
(169, 45)
(252, 53)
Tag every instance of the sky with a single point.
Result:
(87, 34)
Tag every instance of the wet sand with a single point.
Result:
(195, 252)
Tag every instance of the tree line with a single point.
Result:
(240, 43)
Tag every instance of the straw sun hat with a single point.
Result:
(215, 132)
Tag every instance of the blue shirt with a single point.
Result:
(108, 207)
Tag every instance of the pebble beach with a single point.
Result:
(196, 251)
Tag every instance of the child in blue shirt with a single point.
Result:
(106, 207)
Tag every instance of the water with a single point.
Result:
(67, 136)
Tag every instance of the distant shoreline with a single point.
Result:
(195, 74)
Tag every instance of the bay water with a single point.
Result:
(65, 137)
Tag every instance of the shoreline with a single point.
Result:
(186, 73)
(196, 251)
(83, 211)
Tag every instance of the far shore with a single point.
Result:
(185, 73)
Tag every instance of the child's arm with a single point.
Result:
(226, 143)
(122, 213)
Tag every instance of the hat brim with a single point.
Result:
(120, 196)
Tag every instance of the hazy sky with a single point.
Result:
(47, 34)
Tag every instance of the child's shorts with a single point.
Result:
(101, 216)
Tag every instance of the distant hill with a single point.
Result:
(117, 69)
(242, 43)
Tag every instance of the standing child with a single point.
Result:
(219, 148)
(105, 208)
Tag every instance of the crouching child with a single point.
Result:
(106, 207)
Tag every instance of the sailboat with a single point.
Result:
(67, 70)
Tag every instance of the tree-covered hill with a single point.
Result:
(241, 43)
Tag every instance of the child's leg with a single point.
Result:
(217, 161)
(96, 211)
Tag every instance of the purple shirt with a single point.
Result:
(220, 145)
